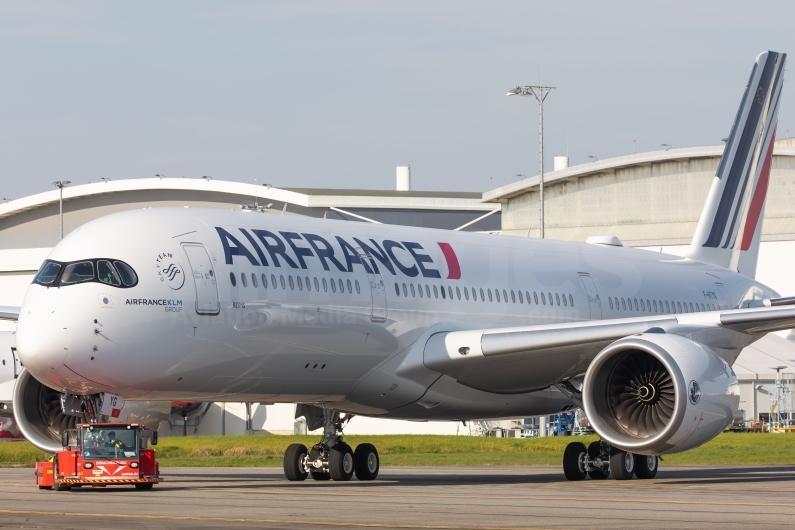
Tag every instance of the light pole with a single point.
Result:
(61, 184)
(540, 93)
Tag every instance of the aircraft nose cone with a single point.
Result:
(42, 340)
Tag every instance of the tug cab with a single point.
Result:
(102, 454)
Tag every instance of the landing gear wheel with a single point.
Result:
(622, 465)
(340, 462)
(45, 487)
(58, 487)
(293, 462)
(574, 461)
(366, 462)
(147, 486)
(645, 466)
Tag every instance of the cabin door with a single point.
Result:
(204, 279)
(594, 304)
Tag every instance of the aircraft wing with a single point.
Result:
(520, 359)
(9, 313)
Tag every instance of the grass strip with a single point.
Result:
(429, 450)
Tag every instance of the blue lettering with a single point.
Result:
(274, 249)
(422, 258)
(256, 247)
(325, 253)
(408, 271)
(232, 247)
(351, 256)
(379, 254)
(300, 252)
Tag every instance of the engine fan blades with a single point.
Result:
(641, 394)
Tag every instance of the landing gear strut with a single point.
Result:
(332, 458)
(600, 460)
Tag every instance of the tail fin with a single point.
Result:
(730, 227)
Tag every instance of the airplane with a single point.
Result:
(348, 318)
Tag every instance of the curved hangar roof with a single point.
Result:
(32, 222)
(645, 199)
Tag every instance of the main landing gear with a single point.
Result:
(332, 458)
(600, 460)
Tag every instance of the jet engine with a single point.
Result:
(38, 413)
(656, 393)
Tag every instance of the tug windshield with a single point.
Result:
(109, 442)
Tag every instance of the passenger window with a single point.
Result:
(571, 300)
(565, 302)
(610, 299)
(527, 294)
(254, 280)
(496, 294)
(535, 297)
(458, 292)
(300, 283)
(333, 285)
(397, 289)
(505, 296)
(413, 294)
(482, 298)
(325, 286)
(691, 307)
(466, 294)
(655, 305)
(317, 286)
(428, 291)
(679, 307)
(450, 292)
(419, 288)
(128, 277)
(405, 292)
(107, 274)
(636, 305)
(521, 300)
(543, 299)
(273, 281)
(292, 285)
(557, 298)
(435, 293)
(308, 284)
(513, 297)
(78, 272)
(444, 295)
(232, 279)
(243, 279)
(550, 298)
(489, 291)
(342, 286)
(642, 305)
(358, 289)
(48, 272)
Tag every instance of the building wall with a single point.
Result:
(657, 203)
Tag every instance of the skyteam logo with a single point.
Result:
(694, 392)
(170, 271)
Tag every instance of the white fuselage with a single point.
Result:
(285, 334)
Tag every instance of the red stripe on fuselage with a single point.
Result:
(453, 268)
(758, 200)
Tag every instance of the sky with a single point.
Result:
(336, 94)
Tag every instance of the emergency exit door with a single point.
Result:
(377, 292)
(204, 279)
(594, 304)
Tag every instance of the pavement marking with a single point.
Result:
(264, 521)
(514, 497)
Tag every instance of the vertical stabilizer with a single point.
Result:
(730, 227)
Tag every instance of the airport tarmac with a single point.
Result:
(442, 497)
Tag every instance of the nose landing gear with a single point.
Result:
(332, 458)
(600, 460)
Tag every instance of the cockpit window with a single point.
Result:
(106, 273)
(127, 274)
(48, 272)
(82, 271)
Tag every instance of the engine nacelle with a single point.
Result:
(37, 411)
(657, 393)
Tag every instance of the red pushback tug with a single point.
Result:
(101, 454)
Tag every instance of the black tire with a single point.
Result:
(366, 462)
(645, 466)
(292, 462)
(146, 486)
(45, 487)
(319, 475)
(622, 465)
(340, 462)
(58, 487)
(573, 458)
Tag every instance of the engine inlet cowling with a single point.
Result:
(637, 394)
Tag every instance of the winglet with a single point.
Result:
(730, 227)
